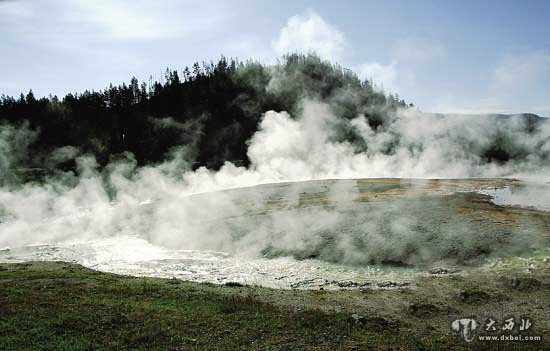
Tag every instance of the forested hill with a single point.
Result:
(212, 108)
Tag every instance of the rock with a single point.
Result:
(391, 284)
(442, 270)
(301, 283)
(344, 284)
(348, 284)
(233, 284)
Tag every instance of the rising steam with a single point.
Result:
(171, 205)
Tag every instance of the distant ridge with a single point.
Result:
(532, 117)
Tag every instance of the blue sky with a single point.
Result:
(445, 56)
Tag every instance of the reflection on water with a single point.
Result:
(499, 196)
(534, 195)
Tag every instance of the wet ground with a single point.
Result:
(331, 234)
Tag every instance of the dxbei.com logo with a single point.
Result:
(466, 327)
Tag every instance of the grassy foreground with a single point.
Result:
(63, 306)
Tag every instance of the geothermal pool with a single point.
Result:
(137, 257)
(330, 234)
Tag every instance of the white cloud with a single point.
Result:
(310, 32)
(104, 41)
(384, 76)
(399, 75)
(147, 19)
(519, 83)
(16, 9)
(57, 22)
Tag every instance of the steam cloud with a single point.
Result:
(171, 205)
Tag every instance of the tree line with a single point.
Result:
(213, 108)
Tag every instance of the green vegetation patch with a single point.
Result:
(63, 306)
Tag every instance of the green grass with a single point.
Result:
(63, 306)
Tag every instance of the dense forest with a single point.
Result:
(213, 108)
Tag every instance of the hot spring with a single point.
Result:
(331, 234)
